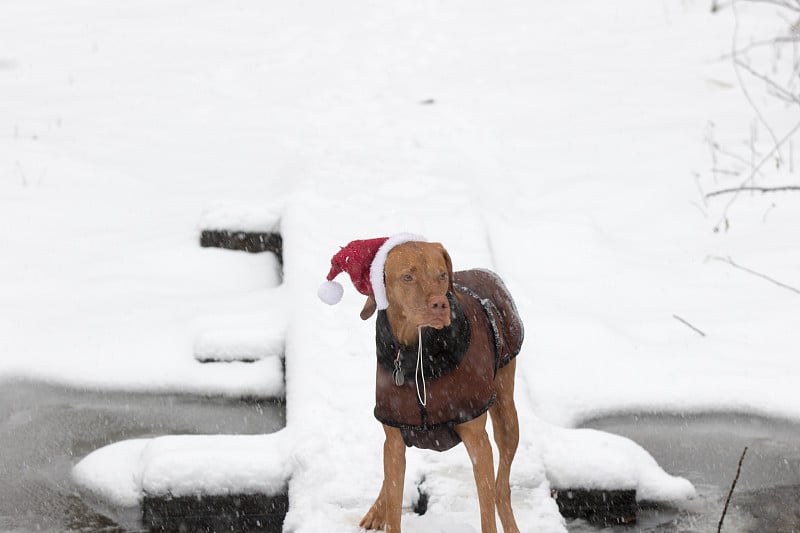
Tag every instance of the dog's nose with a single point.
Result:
(438, 303)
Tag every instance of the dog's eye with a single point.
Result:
(408, 277)
(443, 276)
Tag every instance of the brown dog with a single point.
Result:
(438, 395)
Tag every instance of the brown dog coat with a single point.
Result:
(458, 363)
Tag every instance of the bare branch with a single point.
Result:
(780, 92)
(757, 168)
(686, 323)
(715, 149)
(782, 3)
(753, 272)
(736, 157)
(741, 81)
(716, 170)
(760, 44)
(754, 189)
(730, 492)
(749, 72)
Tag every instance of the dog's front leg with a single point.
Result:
(388, 507)
(476, 440)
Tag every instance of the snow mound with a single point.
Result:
(214, 465)
(121, 474)
(591, 459)
(111, 474)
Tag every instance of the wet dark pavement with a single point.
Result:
(46, 429)
(706, 449)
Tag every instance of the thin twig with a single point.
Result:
(755, 189)
(730, 492)
(763, 43)
(753, 272)
(685, 322)
(726, 172)
(742, 86)
(737, 158)
(780, 3)
(758, 168)
(779, 91)
(702, 194)
(733, 156)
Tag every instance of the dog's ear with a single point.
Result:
(449, 264)
(369, 308)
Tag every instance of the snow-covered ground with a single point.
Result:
(565, 145)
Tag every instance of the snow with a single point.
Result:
(240, 337)
(241, 217)
(118, 487)
(565, 146)
(120, 474)
(188, 465)
(593, 459)
(117, 476)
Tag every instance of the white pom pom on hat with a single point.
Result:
(330, 292)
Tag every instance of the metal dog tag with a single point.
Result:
(397, 373)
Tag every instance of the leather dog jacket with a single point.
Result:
(458, 363)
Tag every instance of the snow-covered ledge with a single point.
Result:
(116, 478)
(242, 218)
(592, 459)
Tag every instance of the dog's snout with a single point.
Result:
(438, 313)
(438, 303)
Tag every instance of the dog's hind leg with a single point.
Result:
(506, 434)
(388, 507)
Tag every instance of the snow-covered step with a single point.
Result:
(243, 344)
(256, 218)
(252, 338)
(249, 340)
(248, 228)
(145, 482)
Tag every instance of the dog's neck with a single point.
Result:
(403, 330)
(442, 348)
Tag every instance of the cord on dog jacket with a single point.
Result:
(459, 363)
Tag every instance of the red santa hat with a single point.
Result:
(363, 260)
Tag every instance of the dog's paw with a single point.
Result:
(374, 519)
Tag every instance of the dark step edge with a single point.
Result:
(207, 360)
(253, 242)
(600, 507)
(236, 512)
